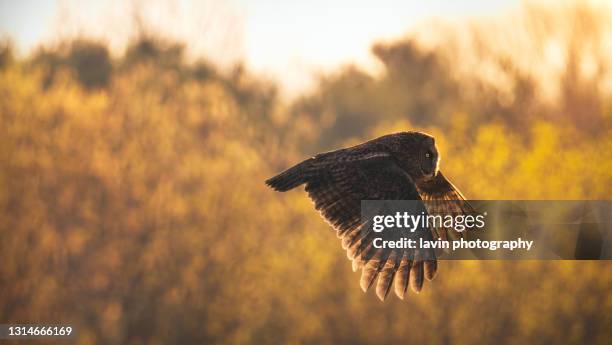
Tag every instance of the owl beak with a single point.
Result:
(433, 175)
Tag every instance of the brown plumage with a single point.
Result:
(400, 166)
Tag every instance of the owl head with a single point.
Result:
(417, 154)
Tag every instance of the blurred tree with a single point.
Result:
(89, 60)
(418, 84)
(156, 51)
(92, 63)
(6, 54)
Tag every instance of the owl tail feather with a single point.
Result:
(291, 177)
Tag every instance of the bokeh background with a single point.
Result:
(132, 202)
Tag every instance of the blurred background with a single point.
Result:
(135, 138)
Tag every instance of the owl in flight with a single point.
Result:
(400, 166)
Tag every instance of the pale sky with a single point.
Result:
(289, 40)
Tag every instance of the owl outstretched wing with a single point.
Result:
(337, 182)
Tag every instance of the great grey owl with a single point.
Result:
(400, 166)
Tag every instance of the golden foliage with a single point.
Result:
(137, 211)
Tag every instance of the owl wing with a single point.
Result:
(443, 198)
(337, 184)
